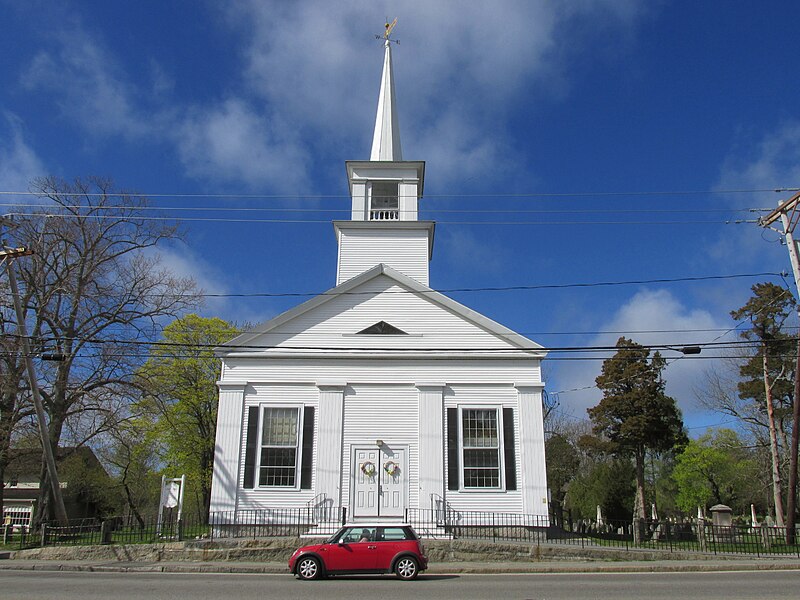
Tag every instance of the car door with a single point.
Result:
(353, 552)
(391, 541)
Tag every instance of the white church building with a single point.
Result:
(381, 397)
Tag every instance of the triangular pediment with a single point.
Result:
(381, 301)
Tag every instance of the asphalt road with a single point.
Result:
(29, 585)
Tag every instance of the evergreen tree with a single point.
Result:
(635, 414)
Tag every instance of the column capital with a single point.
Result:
(331, 385)
(427, 385)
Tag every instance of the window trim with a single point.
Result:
(299, 408)
(501, 487)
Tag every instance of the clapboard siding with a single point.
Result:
(403, 250)
(335, 323)
(387, 412)
(364, 370)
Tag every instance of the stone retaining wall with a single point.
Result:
(277, 550)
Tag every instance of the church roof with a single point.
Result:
(513, 339)
(386, 138)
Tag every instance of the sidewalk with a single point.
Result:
(558, 566)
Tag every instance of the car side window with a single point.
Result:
(351, 536)
(394, 534)
(359, 534)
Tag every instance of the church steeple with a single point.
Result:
(386, 138)
(385, 191)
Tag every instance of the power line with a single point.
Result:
(46, 193)
(326, 221)
(426, 210)
(509, 288)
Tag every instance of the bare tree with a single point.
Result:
(95, 292)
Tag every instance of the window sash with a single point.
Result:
(480, 448)
(279, 448)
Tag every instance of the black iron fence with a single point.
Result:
(116, 530)
(667, 535)
(320, 520)
(443, 522)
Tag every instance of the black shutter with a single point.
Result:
(251, 445)
(452, 449)
(308, 448)
(508, 449)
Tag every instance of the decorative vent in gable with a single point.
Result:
(382, 328)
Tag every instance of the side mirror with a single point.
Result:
(340, 541)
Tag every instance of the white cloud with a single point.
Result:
(19, 163)
(463, 250)
(231, 142)
(771, 162)
(310, 77)
(648, 310)
(88, 86)
(460, 67)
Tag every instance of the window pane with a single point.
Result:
(278, 457)
(481, 478)
(481, 458)
(480, 428)
(277, 477)
(280, 427)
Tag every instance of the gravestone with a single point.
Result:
(722, 523)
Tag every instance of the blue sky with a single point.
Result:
(555, 125)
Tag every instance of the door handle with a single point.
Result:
(372, 547)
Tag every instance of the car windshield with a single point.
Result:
(332, 539)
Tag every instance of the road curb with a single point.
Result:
(439, 569)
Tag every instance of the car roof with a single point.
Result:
(376, 525)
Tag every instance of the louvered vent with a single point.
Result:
(382, 328)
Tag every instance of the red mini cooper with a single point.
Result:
(363, 548)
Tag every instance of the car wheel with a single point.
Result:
(308, 567)
(406, 568)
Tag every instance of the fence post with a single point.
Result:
(7, 537)
(44, 535)
(180, 530)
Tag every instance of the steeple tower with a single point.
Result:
(385, 192)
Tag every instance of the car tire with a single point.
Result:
(308, 568)
(406, 568)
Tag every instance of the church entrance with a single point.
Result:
(380, 481)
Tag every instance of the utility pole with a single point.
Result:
(787, 212)
(8, 255)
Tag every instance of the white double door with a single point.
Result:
(380, 481)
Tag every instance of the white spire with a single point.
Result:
(386, 139)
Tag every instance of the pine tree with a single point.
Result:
(635, 414)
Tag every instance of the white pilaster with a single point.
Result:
(227, 447)
(329, 440)
(531, 436)
(431, 442)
